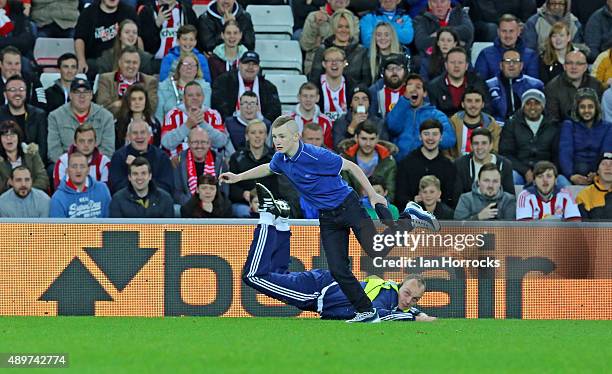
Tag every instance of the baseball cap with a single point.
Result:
(535, 94)
(361, 88)
(250, 56)
(394, 58)
(80, 83)
(604, 156)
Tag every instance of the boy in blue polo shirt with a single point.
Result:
(315, 173)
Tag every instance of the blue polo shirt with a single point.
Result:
(315, 173)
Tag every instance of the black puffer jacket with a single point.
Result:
(491, 10)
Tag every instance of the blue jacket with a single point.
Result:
(169, 61)
(91, 203)
(499, 98)
(404, 121)
(580, 146)
(401, 23)
(487, 63)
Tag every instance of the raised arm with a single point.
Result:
(257, 172)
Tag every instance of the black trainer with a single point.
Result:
(267, 202)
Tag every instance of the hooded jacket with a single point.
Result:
(500, 88)
(127, 204)
(487, 121)
(169, 62)
(487, 63)
(401, 22)
(66, 202)
(169, 97)
(537, 28)
(472, 203)
(560, 93)
(210, 27)
(219, 64)
(466, 173)
(358, 68)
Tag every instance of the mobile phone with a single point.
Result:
(361, 109)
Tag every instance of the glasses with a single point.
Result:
(199, 142)
(188, 65)
(8, 133)
(394, 69)
(575, 63)
(511, 61)
(16, 89)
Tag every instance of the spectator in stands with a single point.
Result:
(12, 63)
(595, 201)
(386, 91)
(356, 57)
(487, 200)
(606, 105)
(583, 138)
(187, 38)
(312, 133)
(583, 10)
(388, 12)
(426, 160)
(96, 29)
(13, 152)
(380, 186)
(225, 57)
(65, 119)
(405, 120)
(440, 14)
(432, 65)
(21, 200)
(112, 86)
(468, 165)
(598, 30)
(602, 67)
(469, 119)
(307, 111)
(237, 124)
(529, 137)
(85, 143)
(538, 26)
(80, 196)
(318, 27)
(170, 91)
(384, 43)
(197, 160)
(254, 154)
(210, 24)
(486, 13)
(488, 63)
(446, 91)
(560, 91)
(429, 198)
(31, 120)
(15, 27)
(188, 115)
(302, 9)
(58, 94)
(333, 83)
(374, 157)
(139, 134)
(54, 18)
(127, 37)
(507, 88)
(135, 105)
(552, 58)
(345, 126)
(141, 198)
(230, 86)
(160, 24)
(208, 201)
(543, 200)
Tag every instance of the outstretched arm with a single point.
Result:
(354, 169)
(260, 171)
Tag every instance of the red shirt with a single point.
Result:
(456, 93)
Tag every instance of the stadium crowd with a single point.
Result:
(522, 131)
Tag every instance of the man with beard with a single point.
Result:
(426, 160)
(487, 200)
(307, 111)
(23, 201)
(446, 90)
(544, 200)
(386, 92)
(469, 119)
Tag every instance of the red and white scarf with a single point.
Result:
(334, 102)
(242, 88)
(6, 25)
(387, 98)
(192, 175)
(168, 29)
(123, 84)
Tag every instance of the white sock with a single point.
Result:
(281, 223)
(266, 218)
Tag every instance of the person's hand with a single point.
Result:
(424, 318)
(357, 119)
(228, 16)
(26, 9)
(229, 178)
(247, 196)
(529, 176)
(579, 179)
(116, 104)
(321, 17)
(207, 206)
(130, 159)
(609, 82)
(162, 17)
(83, 67)
(194, 118)
(591, 177)
(377, 199)
(489, 212)
(417, 199)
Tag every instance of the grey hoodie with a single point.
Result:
(471, 203)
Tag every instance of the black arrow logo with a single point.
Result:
(120, 258)
(75, 291)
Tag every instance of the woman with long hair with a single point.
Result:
(433, 65)
(383, 43)
(207, 202)
(553, 56)
(170, 91)
(135, 105)
(225, 56)
(14, 153)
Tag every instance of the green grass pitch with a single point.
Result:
(276, 345)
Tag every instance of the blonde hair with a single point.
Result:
(549, 55)
(180, 62)
(349, 16)
(375, 57)
(428, 181)
(286, 120)
(255, 122)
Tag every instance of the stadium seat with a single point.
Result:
(199, 9)
(280, 56)
(47, 51)
(476, 48)
(288, 86)
(271, 22)
(95, 85)
(48, 79)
